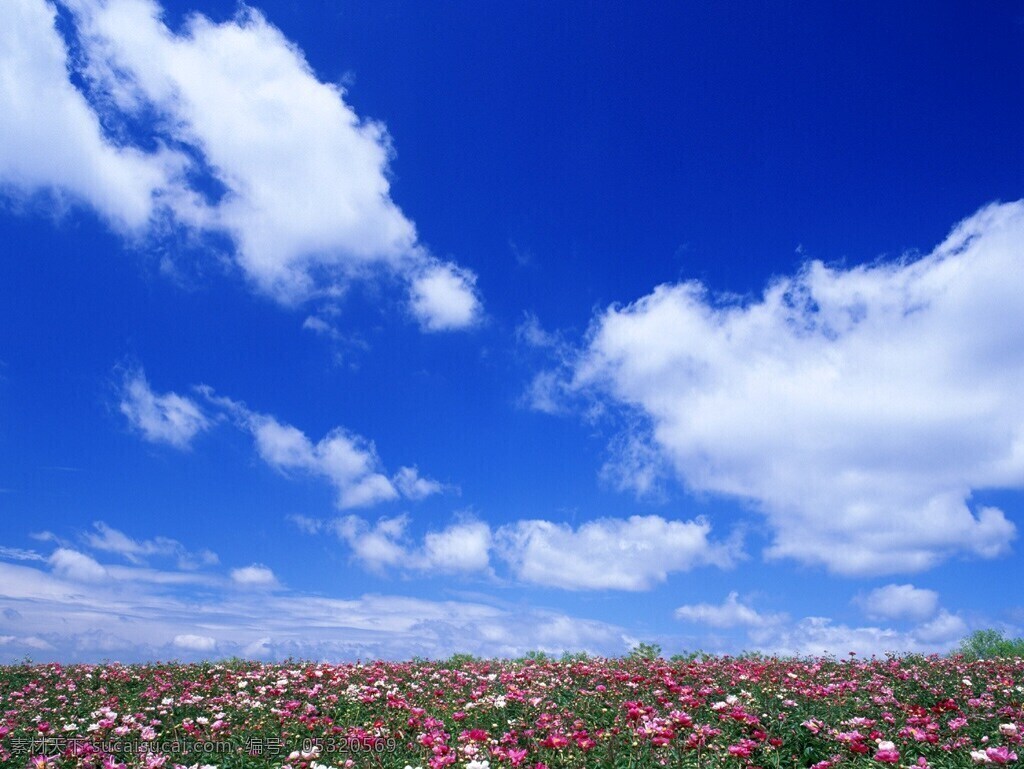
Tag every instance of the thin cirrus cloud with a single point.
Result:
(347, 461)
(856, 408)
(632, 554)
(168, 130)
(111, 540)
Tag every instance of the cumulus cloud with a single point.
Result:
(943, 628)
(167, 130)
(256, 575)
(856, 408)
(412, 485)
(168, 418)
(200, 643)
(53, 139)
(444, 297)
(730, 613)
(632, 553)
(900, 602)
(462, 547)
(348, 461)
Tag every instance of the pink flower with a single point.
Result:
(1000, 755)
(887, 753)
(812, 726)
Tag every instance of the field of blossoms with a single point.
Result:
(735, 712)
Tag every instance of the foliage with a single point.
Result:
(644, 651)
(991, 644)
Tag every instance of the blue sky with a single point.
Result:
(346, 330)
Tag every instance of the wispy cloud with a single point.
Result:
(111, 540)
(19, 554)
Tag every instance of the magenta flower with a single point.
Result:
(1000, 755)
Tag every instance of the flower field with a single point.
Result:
(735, 712)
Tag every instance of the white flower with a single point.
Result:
(979, 757)
(1007, 730)
(478, 765)
(886, 745)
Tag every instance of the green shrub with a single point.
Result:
(991, 644)
(645, 652)
(570, 657)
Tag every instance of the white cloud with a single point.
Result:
(256, 575)
(856, 408)
(635, 465)
(444, 297)
(412, 486)
(53, 139)
(265, 153)
(531, 333)
(605, 554)
(900, 602)
(135, 621)
(814, 636)
(111, 540)
(943, 628)
(348, 461)
(76, 566)
(462, 547)
(201, 643)
(168, 418)
(731, 613)
(19, 554)
(609, 553)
